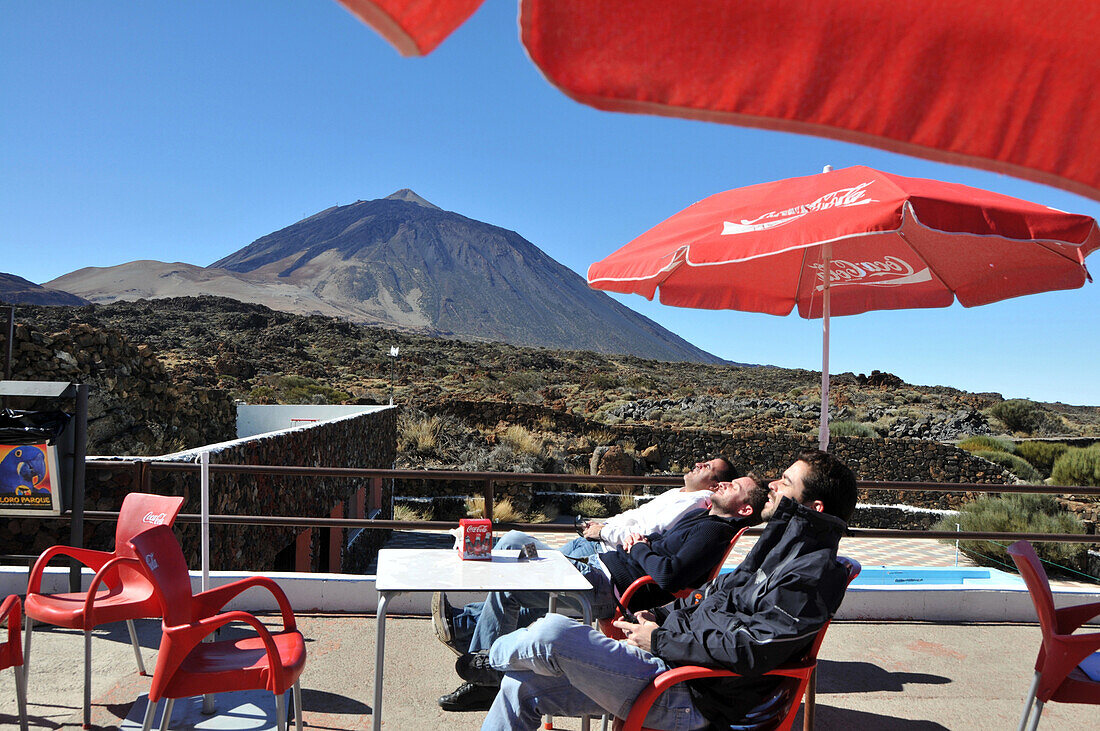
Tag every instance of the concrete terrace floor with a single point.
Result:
(873, 675)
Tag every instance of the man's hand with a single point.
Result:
(639, 635)
(592, 530)
(633, 539)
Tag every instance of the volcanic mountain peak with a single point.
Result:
(407, 195)
(405, 262)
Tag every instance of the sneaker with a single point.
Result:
(443, 621)
(468, 697)
(476, 669)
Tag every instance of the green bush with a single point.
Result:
(1019, 467)
(1018, 514)
(851, 429)
(1019, 415)
(1042, 455)
(986, 444)
(1078, 466)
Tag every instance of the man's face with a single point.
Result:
(789, 485)
(702, 476)
(732, 498)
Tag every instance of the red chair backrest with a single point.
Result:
(141, 511)
(159, 552)
(1038, 586)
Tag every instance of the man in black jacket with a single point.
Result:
(679, 558)
(749, 621)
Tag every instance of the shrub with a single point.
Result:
(1019, 415)
(986, 444)
(604, 381)
(590, 507)
(1019, 467)
(851, 429)
(420, 435)
(1042, 455)
(262, 395)
(521, 440)
(402, 511)
(1017, 514)
(1078, 466)
(522, 381)
(627, 502)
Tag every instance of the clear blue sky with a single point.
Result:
(182, 131)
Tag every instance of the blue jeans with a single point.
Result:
(560, 667)
(478, 625)
(579, 547)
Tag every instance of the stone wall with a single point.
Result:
(132, 406)
(368, 441)
(889, 459)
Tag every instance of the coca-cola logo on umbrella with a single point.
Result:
(843, 198)
(890, 271)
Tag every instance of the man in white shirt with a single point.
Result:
(656, 515)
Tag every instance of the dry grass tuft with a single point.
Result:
(521, 440)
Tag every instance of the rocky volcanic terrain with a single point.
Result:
(263, 356)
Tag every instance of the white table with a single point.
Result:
(402, 570)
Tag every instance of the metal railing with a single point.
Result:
(487, 480)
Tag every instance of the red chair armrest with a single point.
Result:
(92, 559)
(664, 681)
(12, 610)
(212, 600)
(102, 576)
(1070, 618)
(633, 589)
(186, 637)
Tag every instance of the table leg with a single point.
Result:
(379, 658)
(586, 612)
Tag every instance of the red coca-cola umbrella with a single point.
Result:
(848, 241)
(1005, 86)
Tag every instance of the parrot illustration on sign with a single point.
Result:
(22, 469)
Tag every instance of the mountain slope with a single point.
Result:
(18, 291)
(404, 262)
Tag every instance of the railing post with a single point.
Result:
(487, 492)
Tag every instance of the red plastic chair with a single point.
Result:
(187, 666)
(11, 653)
(776, 713)
(607, 626)
(118, 590)
(1057, 675)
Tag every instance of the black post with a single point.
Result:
(80, 446)
(8, 353)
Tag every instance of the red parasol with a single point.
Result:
(1005, 86)
(849, 241)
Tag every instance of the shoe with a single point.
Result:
(443, 621)
(475, 668)
(469, 697)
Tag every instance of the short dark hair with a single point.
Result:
(830, 481)
(728, 473)
(758, 495)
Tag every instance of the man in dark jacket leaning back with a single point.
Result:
(749, 621)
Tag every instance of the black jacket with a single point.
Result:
(681, 557)
(759, 616)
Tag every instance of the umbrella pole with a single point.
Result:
(823, 429)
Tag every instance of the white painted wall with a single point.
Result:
(253, 419)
